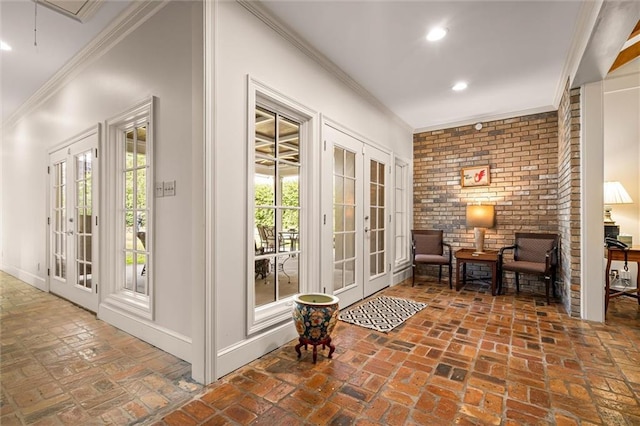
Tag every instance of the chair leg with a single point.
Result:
(451, 278)
(413, 275)
(517, 282)
(547, 281)
(440, 274)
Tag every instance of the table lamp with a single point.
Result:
(614, 193)
(480, 217)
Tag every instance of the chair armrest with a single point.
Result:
(503, 249)
(450, 251)
(551, 257)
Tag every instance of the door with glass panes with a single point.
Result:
(360, 222)
(73, 174)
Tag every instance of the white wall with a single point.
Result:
(245, 45)
(163, 58)
(622, 146)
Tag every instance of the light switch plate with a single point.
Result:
(169, 188)
(159, 189)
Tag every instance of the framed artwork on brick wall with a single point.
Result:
(475, 176)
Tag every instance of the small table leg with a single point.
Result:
(324, 342)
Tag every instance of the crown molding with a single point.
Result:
(299, 42)
(587, 17)
(486, 118)
(130, 19)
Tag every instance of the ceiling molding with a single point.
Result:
(587, 17)
(134, 16)
(88, 9)
(294, 38)
(486, 118)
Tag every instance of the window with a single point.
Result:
(280, 131)
(401, 213)
(131, 206)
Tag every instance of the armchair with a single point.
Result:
(533, 253)
(427, 248)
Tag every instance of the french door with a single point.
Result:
(73, 175)
(360, 224)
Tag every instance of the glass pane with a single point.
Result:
(381, 268)
(289, 237)
(381, 173)
(338, 244)
(80, 193)
(338, 218)
(141, 147)
(380, 240)
(373, 194)
(141, 183)
(130, 276)
(129, 150)
(290, 185)
(338, 279)
(265, 223)
(373, 166)
(128, 189)
(350, 191)
(287, 276)
(349, 272)
(80, 166)
(338, 189)
(373, 268)
(141, 274)
(338, 161)
(130, 240)
(372, 241)
(349, 245)
(349, 218)
(381, 195)
(288, 140)
(381, 219)
(265, 288)
(264, 182)
(350, 164)
(373, 217)
(265, 133)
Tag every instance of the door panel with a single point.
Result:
(358, 197)
(73, 237)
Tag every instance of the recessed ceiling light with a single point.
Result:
(436, 33)
(4, 46)
(461, 85)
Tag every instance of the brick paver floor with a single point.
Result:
(468, 358)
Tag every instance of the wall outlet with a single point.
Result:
(159, 189)
(169, 188)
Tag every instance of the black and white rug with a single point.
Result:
(382, 313)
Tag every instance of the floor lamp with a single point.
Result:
(480, 217)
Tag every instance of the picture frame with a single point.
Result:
(476, 176)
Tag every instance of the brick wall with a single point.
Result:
(523, 155)
(569, 197)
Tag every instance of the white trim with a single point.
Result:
(401, 275)
(296, 40)
(242, 353)
(582, 33)
(406, 167)
(484, 118)
(29, 278)
(134, 16)
(161, 337)
(85, 13)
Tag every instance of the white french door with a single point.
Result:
(73, 175)
(360, 223)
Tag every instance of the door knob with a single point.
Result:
(366, 229)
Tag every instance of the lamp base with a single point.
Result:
(478, 234)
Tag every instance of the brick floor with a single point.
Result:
(468, 358)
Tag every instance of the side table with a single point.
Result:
(631, 255)
(464, 256)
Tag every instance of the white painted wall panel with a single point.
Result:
(247, 46)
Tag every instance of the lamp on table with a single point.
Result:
(614, 193)
(480, 217)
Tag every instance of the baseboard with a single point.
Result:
(399, 276)
(169, 341)
(29, 278)
(235, 356)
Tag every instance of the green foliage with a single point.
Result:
(264, 196)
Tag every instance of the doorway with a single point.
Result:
(360, 225)
(73, 183)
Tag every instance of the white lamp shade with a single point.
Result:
(480, 216)
(614, 193)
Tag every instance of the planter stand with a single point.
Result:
(324, 342)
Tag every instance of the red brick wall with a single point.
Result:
(523, 155)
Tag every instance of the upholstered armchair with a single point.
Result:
(533, 253)
(427, 248)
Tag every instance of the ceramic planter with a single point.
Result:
(315, 316)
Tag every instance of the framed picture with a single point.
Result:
(475, 176)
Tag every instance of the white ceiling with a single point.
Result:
(513, 54)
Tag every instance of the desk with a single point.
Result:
(611, 254)
(464, 256)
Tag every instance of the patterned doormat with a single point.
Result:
(382, 313)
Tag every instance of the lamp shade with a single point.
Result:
(480, 216)
(614, 193)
